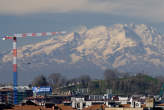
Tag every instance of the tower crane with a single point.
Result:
(14, 38)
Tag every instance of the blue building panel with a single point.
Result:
(42, 90)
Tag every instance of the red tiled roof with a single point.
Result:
(161, 104)
(62, 107)
(29, 107)
(95, 107)
(126, 105)
(6, 90)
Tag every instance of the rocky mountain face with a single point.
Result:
(125, 47)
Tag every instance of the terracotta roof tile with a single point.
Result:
(61, 106)
(29, 107)
(126, 105)
(95, 107)
(161, 104)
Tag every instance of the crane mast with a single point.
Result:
(15, 80)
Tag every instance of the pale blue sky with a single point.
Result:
(148, 9)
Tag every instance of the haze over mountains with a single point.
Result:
(126, 47)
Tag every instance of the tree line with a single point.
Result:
(57, 80)
(119, 83)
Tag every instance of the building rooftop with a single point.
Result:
(162, 104)
(33, 107)
(6, 89)
(96, 107)
(126, 105)
(63, 107)
(29, 107)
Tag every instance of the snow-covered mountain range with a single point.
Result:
(125, 47)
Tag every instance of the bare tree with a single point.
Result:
(84, 80)
(40, 81)
(110, 74)
(110, 77)
(56, 80)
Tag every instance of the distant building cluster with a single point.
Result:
(43, 98)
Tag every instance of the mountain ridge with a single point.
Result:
(126, 47)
